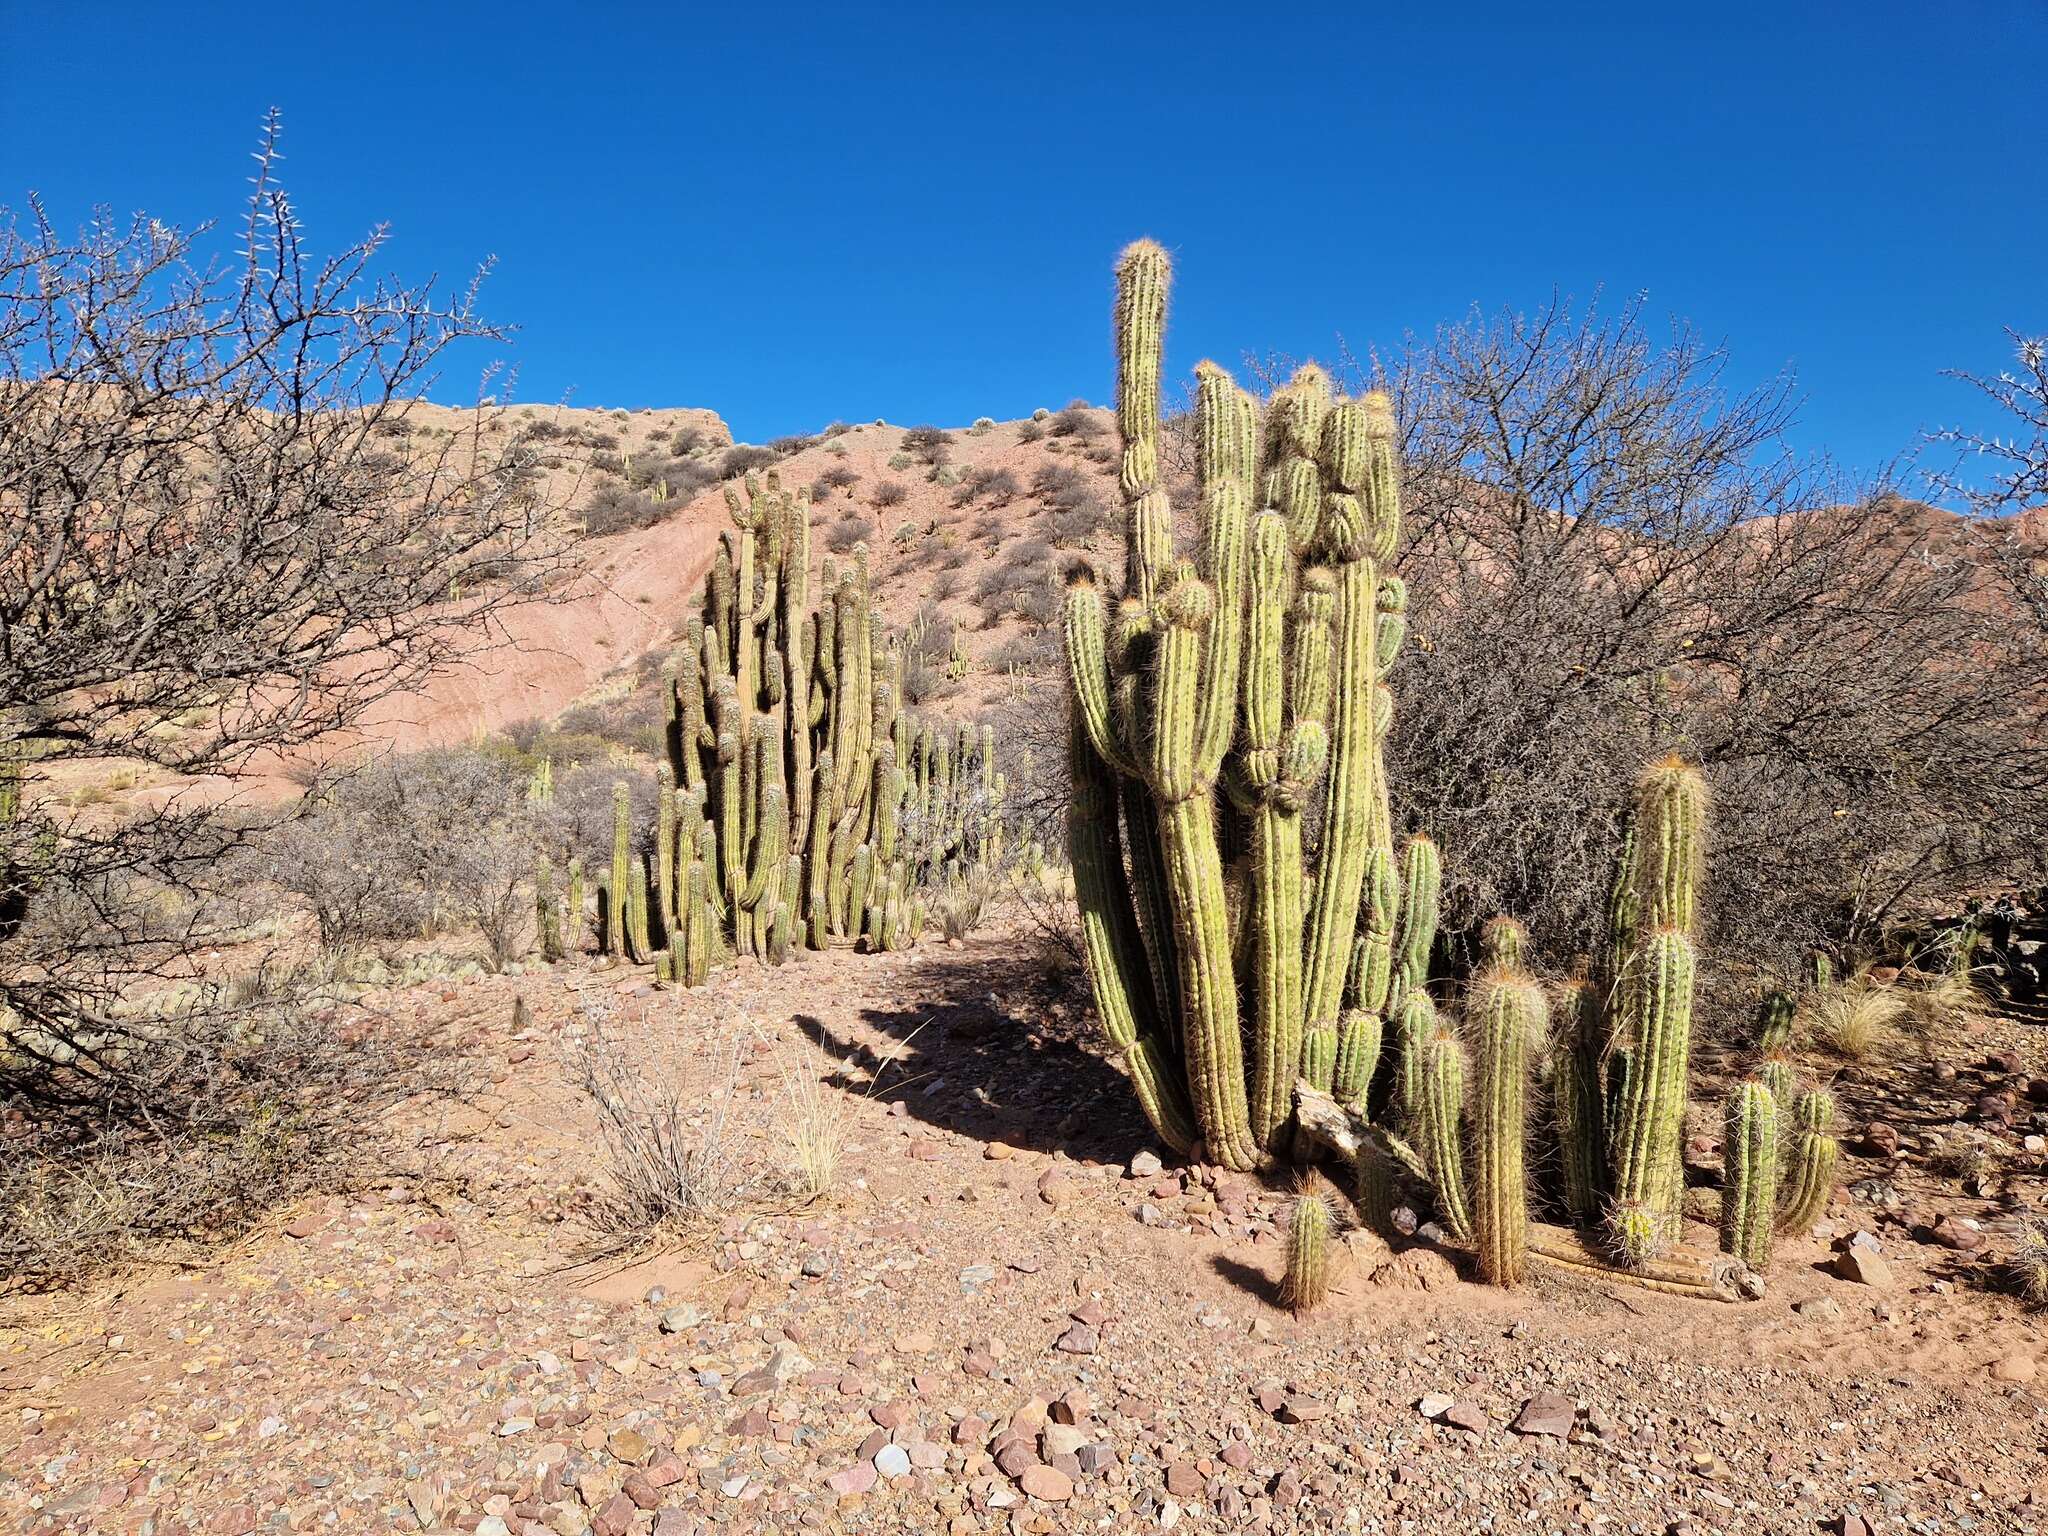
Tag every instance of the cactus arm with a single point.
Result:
(1119, 973)
(1508, 1011)
(1276, 866)
(1652, 1113)
(1749, 1192)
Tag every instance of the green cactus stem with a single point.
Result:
(1507, 1010)
(1750, 1184)
(1814, 1153)
(1440, 1131)
(1306, 1284)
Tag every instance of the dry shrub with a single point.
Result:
(1942, 1000)
(848, 531)
(262, 1094)
(816, 1104)
(2027, 1271)
(667, 1170)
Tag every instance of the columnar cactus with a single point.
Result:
(1237, 683)
(1306, 1284)
(1750, 1186)
(1654, 1009)
(1507, 1010)
(1814, 1152)
(819, 812)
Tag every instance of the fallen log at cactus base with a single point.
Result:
(1681, 1270)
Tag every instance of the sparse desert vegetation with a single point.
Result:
(1453, 939)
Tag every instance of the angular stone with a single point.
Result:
(851, 1480)
(1468, 1416)
(1547, 1413)
(1047, 1483)
(1865, 1268)
(1079, 1340)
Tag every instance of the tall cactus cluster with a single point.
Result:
(799, 805)
(1227, 696)
(1255, 939)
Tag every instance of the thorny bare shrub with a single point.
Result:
(415, 844)
(254, 1099)
(220, 543)
(2017, 460)
(1610, 556)
(666, 1169)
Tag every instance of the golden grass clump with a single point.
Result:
(1852, 1019)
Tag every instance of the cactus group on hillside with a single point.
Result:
(1228, 699)
(798, 804)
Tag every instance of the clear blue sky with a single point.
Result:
(793, 214)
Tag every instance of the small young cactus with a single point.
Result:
(1814, 1152)
(1749, 1150)
(1307, 1282)
(1774, 1024)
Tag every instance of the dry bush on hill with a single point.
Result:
(846, 532)
(2018, 458)
(211, 552)
(415, 845)
(1608, 557)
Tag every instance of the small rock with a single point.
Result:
(680, 1319)
(892, 1461)
(1469, 1416)
(852, 1480)
(1820, 1308)
(2015, 1367)
(1434, 1405)
(817, 1265)
(1061, 1440)
(1962, 1236)
(1847, 1524)
(1865, 1268)
(1878, 1139)
(1184, 1480)
(999, 1151)
(1547, 1413)
(1079, 1340)
(1146, 1165)
(1047, 1483)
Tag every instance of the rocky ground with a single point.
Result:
(1007, 1315)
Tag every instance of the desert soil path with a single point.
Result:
(1006, 1317)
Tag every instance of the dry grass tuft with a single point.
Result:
(1942, 999)
(2028, 1270)
(817, 1102)
(667, 1169)
(1852, 1019)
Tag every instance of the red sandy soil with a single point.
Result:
(993, 1322)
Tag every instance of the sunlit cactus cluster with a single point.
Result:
(799, 805)
(1256, 937)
